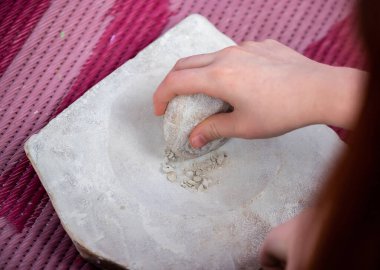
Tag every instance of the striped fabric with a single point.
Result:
(52, 51)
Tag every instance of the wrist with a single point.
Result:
(341, 96)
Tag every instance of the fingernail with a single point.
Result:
(198, 141)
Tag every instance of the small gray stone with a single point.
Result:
(191, 182)
(171, 176)
(206, 183)
(198, 172)
(220, 159)
(167, 168)
(197, 178)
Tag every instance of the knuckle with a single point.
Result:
(230, 50)
(169, 78)
(179, 63)
(269, 41)
(247, 43)
(213, 131)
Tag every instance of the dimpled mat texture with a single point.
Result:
(51, 52)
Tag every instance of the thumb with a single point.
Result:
(217, 126)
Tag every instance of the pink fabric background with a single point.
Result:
(51, 52)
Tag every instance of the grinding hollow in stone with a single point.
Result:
(182, 115)
(100, 162)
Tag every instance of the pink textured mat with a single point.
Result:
(53, 51)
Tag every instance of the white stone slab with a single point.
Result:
(100, 160)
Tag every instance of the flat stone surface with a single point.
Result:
(100, 162)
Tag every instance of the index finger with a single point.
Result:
(180, 82)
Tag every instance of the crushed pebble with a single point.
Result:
(195, 176)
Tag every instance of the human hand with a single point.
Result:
(272, 90)
(290, 245)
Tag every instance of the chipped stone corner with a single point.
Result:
(96, 260)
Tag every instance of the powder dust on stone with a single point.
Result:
(192, 175)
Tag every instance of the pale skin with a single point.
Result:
(272, 90)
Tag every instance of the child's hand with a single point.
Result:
(272, 89)
(290, 245)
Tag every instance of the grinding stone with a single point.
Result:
(182, 115)
(100, 161)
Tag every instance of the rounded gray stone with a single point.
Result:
(182, 115)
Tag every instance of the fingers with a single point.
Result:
(195, 61)
(221, 125)
(187, 77)
(273, 254)
(181, 82)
